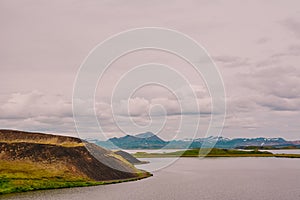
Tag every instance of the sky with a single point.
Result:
(255, 44)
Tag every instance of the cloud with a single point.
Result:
(36, 111)
(185, 103)
(231, 61)
(280, 81)
(293, 25)
(280, 104)
(258, 57)
(262, 40)
(292, 50)
(34, 104)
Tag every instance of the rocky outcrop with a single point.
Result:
(98, 165)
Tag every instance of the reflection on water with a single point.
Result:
(193, 178)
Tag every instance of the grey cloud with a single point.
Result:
(36, 111)
(43, 44)
(232, 61)
(262, 40)
(32, 104)
(293, 25)
(292, 50)
(280, 104)
(280, 81)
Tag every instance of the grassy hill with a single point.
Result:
(31, 161)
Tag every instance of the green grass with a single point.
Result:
(287, 155)
(8, 185)
(270, 148)
(214, 153)
(22, 176)
(50, 141)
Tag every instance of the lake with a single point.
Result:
(193, 178)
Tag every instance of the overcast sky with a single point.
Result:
(255, 44)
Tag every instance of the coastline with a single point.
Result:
(214, 153)
(69, 184)
(37, 161)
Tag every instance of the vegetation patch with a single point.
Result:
(214, 153)
(17, 176)
(36, 161)
(268, 147)
(20, 176)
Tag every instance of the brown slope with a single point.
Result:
(41, 138)
(130, 158)
(67, 151)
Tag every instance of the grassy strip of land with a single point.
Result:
(51, 141)
(22, 176)
(270, 148)
(287, 155)
(214, 153)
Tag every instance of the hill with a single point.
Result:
(130, 158)
(141, 141)
(30, 161)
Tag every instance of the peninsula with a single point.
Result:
(35, 161)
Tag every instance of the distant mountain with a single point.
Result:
(297, 142)
(149, 140)
(244, 142)
(140, 141)
(227, 143)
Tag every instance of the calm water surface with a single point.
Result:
(192, 178)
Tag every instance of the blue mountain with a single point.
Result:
(149, 140)
(146, 140)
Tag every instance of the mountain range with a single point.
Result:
(149, 140)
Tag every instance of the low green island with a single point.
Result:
(214, 153)
(270, 148)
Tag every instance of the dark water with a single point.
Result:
(192, 178)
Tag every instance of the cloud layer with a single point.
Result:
(255, 44)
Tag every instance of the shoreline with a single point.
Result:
(74, 184)
(222, 156)
(214, 153)
(36, 161)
